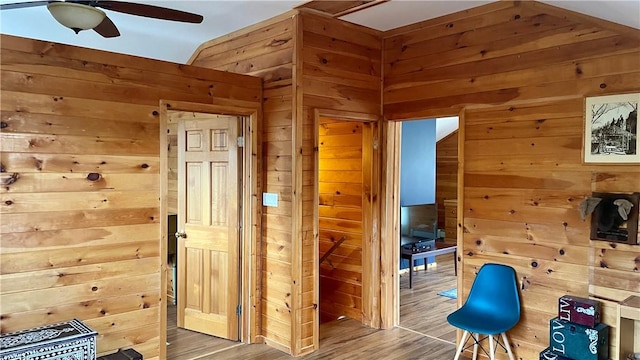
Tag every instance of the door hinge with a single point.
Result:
(239, 310)
(240, 141)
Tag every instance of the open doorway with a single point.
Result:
(206, 157)
(428, 186)
(345, 168)
(340, 218)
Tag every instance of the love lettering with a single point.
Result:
(565, 312)
(558, 336)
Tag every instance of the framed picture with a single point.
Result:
(611, 129)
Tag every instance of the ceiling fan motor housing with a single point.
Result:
(81, 15)
(76, 16)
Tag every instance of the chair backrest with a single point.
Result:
(495, 289)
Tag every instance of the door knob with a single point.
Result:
(180, 234)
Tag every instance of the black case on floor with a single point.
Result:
(128, 354)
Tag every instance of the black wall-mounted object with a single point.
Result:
(607, 224)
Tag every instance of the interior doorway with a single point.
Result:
(428, 182)
(209, 222)
(206, 157)
(340, 218)
(345, 167)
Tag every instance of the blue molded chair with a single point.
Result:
(492, 308)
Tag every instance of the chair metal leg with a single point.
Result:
(462, 342)
(492, 350)
(475, 346)
(506, 345)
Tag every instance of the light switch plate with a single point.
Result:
(270, 199)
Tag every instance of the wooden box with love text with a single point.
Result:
(579, 310)
(548, 354)
(578, 341)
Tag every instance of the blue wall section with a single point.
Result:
(418, 162)
(417, 169)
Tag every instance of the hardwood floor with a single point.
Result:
(423, 332)
(421, 308)
(185, 344)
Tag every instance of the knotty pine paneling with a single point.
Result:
(80, 189)
(307, 62)
(342, 66)
(266, 50)
(340, 293)
(520, 71)
(340, 72)
(446, 174)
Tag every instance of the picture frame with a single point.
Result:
(611, 129)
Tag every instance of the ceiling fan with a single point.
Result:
(81, 15)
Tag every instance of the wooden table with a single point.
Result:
(440, 250)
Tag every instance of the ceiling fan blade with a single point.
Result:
(22, 5)
(107, 28)
(151, 11)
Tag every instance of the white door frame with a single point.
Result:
(251, 214)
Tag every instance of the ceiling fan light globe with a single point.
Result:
(76, 16)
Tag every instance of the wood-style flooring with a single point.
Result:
(423, 332)
(186, 345)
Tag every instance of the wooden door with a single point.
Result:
(208, 216)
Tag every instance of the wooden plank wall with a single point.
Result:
(80, 208)
(338, 68)
(446, 173)
(266, 51)
(340, 215)
(340, 73)
(521, 71)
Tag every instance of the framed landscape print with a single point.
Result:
(611, 129)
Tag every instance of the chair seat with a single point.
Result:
(483, 323)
